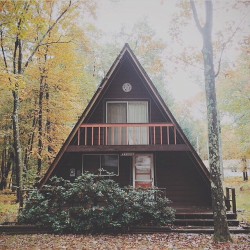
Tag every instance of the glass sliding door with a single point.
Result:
(127, 112)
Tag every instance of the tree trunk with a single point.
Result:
(43, 72)
(17, 146)
(48, 125)
(30, 143)
(17, 70)
(221, 231)
(40, 126)
(3, 181)
(7, 156)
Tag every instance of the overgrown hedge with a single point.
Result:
(92, 204)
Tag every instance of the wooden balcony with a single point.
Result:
(127, 137)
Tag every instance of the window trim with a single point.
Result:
(100, 162)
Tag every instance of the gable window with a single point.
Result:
(127, 112)
(101, 164)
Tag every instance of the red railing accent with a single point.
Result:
(127, 134)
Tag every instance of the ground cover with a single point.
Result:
(8, 207)
(121, 242)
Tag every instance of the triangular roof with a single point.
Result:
(126, 51)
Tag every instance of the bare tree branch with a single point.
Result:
(219, 63)
(227, 42)
(196, 19)
(55, 42)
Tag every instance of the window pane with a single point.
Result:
(91, 163)
(143, 177)
(143, 160)
(143, 168)
(140, 169)
(116, 112)
(137, 112)
(110, 163)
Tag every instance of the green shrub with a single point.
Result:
(94, 204)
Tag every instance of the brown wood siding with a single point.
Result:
(126, 73)
(176, 172)
(74, 160)
(68, 161)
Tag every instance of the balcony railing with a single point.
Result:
(127, 134)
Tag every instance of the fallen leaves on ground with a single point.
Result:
(121, 242)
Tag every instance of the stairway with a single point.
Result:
(202, 219)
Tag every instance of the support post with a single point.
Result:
(233, 200)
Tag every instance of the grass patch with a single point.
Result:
(8, 207)
(242, 189)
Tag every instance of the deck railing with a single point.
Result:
(230, 199)
(127, 134)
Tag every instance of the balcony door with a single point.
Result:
(127, 112)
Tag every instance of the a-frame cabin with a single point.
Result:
(128, 130)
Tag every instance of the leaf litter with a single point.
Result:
(171, 241)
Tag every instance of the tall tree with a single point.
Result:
(234, 101)
(19, 45)
(221, 230)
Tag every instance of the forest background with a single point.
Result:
(55, 53)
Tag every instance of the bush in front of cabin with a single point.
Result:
(93, 204)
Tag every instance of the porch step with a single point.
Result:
(202, 222)
(202, 219)
(203, 215)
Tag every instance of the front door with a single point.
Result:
(143, 171)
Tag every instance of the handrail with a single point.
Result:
(104, 125)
